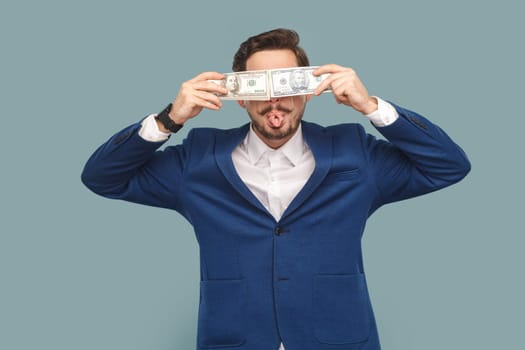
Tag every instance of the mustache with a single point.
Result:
(277, 107)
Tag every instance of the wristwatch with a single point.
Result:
(165, 119)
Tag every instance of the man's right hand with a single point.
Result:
(194, 95)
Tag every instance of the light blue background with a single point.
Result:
(81, 272)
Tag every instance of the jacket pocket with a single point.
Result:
(342, 311)
(347, 175)
(221, 313)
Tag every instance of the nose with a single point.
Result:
(274, 100)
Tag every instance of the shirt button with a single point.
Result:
(278, 231)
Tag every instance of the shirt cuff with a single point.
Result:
(385, 114)
(150, 130)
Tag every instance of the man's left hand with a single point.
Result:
(346, 87)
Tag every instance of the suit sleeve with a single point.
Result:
(130, 168)
(418, 158)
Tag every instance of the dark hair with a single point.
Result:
(272, 40)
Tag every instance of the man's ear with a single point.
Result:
(308, 97)
(241, 103)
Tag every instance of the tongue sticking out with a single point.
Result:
(275, 118)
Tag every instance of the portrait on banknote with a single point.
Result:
(299, 80)
(232, 83)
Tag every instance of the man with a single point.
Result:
(279, 205)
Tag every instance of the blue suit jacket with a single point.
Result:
(300, 280)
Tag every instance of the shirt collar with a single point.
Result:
(293, 149)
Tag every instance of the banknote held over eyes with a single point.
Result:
(266, 84)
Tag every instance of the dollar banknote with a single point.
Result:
(265, 84)
(294, 81)
(248, 85)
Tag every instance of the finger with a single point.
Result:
(324, 85)
(330, 81)
(210, 87)
(207, 76)
(328, 68)
(199, 103)
(345, 77)
(208, 99)
(340, 82)
(339, 99)
(340, 92)
(209, 105)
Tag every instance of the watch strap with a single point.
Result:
(165, 119)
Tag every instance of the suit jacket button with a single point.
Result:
(278, 231)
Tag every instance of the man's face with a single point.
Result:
(275, 121)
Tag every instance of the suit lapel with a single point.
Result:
(226, 143)
(320, 144)
(315, 136)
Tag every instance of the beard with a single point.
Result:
(271, 133)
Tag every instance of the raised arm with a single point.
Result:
(129, 166)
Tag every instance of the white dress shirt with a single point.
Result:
(274, 176)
